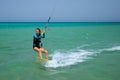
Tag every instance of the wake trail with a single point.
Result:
(74, 56)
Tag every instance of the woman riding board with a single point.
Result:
(37, 45)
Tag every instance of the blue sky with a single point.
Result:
(65, 10)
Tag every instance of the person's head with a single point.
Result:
(38, 31)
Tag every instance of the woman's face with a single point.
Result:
(37, 31)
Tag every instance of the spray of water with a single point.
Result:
(74, 56)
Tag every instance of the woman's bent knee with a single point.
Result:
(46, 51)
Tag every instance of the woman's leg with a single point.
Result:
(44, 51)
(39, 51)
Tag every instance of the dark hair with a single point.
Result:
(39, 30)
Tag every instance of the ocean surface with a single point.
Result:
(78, 51)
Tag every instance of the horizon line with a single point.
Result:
(60, 22)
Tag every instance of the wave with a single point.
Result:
(116, 48)
(74, 56)
(71, 57)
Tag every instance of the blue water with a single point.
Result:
(81, 51)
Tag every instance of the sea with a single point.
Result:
(77, 51)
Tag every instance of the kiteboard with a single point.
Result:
(42, 61)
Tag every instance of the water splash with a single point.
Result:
(74, 56)
(71, 57)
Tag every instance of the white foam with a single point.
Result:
(113, 48)
(71, 57)
(74, 56)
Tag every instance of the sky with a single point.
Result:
(60, 10)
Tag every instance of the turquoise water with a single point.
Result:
(78, 51)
